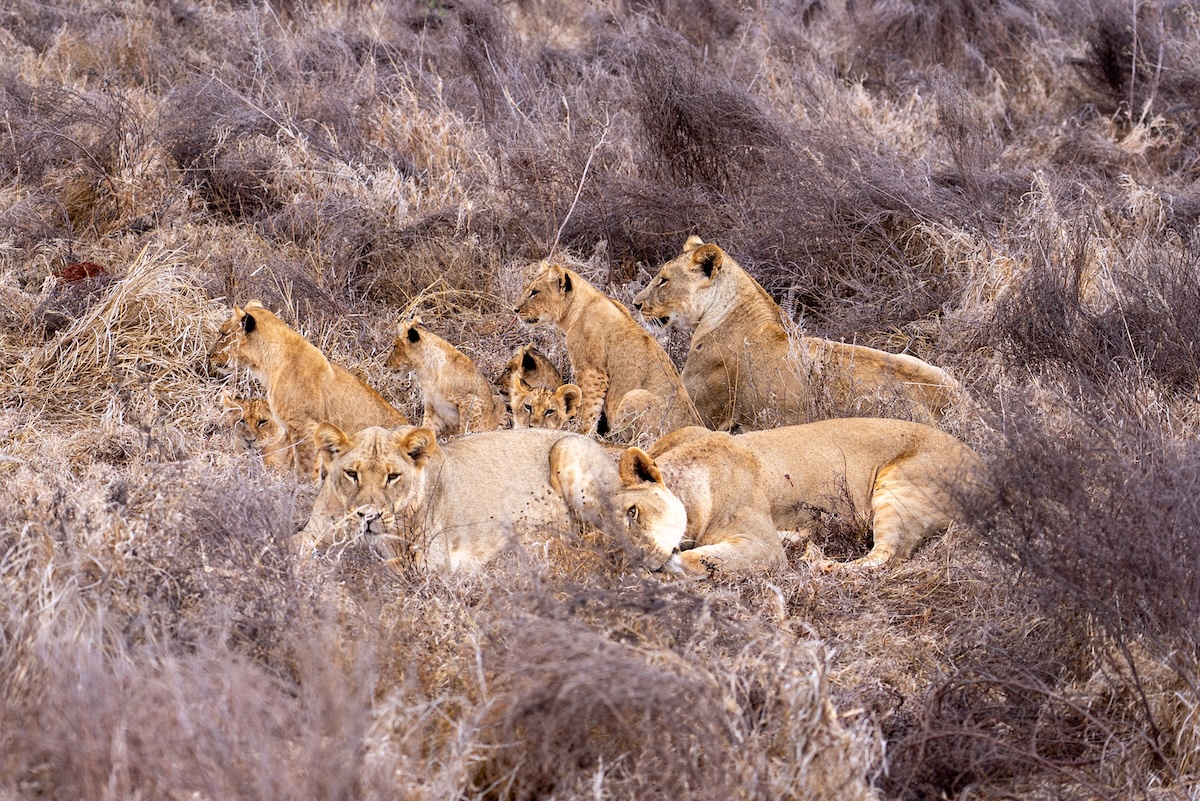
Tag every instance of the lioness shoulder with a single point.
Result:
(743, 369)
(620, 369)
(457, 398)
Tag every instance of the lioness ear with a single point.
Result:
(330, 441)
(708, 258)
(418, 443)
(571, 397)
(692, 243)
(638, 468)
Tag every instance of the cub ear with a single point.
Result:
(418, 443)
(638, 468)
(229, 404)
(692, 243)
(413, 334)
(571, 397)
(520, 385)
(565, 282)
(528, 363)
(255, 304)
(249, 324)
(708, 259)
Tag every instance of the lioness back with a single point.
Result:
(620, 369)
(744, 370)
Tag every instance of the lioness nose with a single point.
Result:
(368, 514)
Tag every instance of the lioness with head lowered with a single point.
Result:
(742, 368)
(302, 386)
(456, 396)
(620, 369)
(908, 480)
(439, 507)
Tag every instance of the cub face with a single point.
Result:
(531, 366)
(655, 519)
(538, 407)
(370, 477)
(235, 339)
(545, 298)
(672, 295)
(409, 347)
(252, 420)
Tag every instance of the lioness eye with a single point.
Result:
(632, 513)
(352, 475)
(392, 478)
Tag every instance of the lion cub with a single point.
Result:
(742, 366)
(456, 396)
(303, 387)
(531, 366)
(539, 407)
(619, 368)
(256, 429)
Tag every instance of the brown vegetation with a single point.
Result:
(1009, 189)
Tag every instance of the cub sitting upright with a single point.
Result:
(303, 388)
(457, 398)
(742, 368)
(618, 367)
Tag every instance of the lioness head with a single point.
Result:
(408, 346)
(233, 337)
(671, 296)
(533, 367)
(654, 518)
(251, 418)
(538, 407)
(369, 477)
(546, 297)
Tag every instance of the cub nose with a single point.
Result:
(637, 305)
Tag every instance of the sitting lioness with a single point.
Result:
(456, 396)
(256, 429)
(742, 368)
(618, 367)
(538, 407)
(440, 507)
(302, 386)
(908, 480)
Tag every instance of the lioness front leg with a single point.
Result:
(752, 544)
(593, 386)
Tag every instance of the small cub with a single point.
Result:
(539, 407)
(457, 398)
(256, 429)
(531, 366)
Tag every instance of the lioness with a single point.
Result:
(618, 367)
(441, 507)
(742, 369)
(256, 429)
(538, 407)
(531, 366)
(907, 479)
(456, 396)
(303, 387)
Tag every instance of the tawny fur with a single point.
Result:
(256, 429)
(742, 368)
(539, 407)
(531, 366)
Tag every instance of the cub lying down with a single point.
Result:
(907, 479)
(442, 507)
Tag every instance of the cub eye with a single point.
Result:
(262, 423)
(352, 475)
(528, 408)
(533, 292)
(551, 411)
(392, 478)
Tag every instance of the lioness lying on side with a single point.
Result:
(908, 480)
(742, 369)
(256, 429)
(302, 386)
(538, 407)
(439, 507)
(620, 369)
(456, 396)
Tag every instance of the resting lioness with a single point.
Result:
(742, 369)
(908, 480)
(456, 396)
(618, 367)
(302, 386)
(538, 407)
(441, 507)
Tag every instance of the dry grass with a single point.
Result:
(1007, 189)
